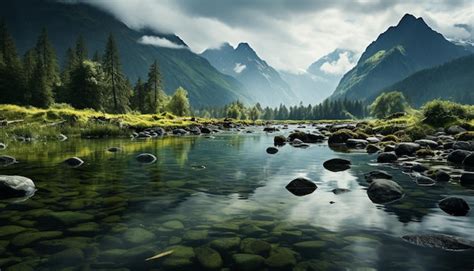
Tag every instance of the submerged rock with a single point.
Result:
(208, 258)
(377, 174)
(281, 258)
(6, 160)
(338, 191)
(74, 162)
(225, 244)
(454, 206)
(387, 157)
(255, 246)
(248, 262)
(146, 158)
(384, 191)
(138, 236)
(337, 164)
(16, 186)
(114, 149)
(442, 241)
(425, 181)
(301, 187)
(272, 150)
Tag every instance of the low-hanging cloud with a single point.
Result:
(239, 67)
(339, 66)
(160, 42)
(288, 34)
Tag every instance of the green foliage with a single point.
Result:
(440, 113)
(179, 103)
(87, 86)
(102, 131)
(389, 103)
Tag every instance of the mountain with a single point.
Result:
(179, 66)
(243, 63)
(321, 78)
(397, 53)
(451, 81)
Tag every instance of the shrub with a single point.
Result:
(389, 103)
(440, 113)
(419, 131)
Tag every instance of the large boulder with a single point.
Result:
(454, 206)
(458, 156)
(384, 191)
(337, 164)
(16, 186)
(377, 174)
(301, 186)
(406, 148)
(341, 136)
(387, 157)
(279, 140)
(441, 241)
(306, 137)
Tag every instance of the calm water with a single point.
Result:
(113, 213)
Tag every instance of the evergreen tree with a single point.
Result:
(46, 59)
(138, 98)
(87, 86)
(156, 98)
(81, 49)
(117, 85)
(41, 89)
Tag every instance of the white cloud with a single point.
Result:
(160, 42)
(239, 67)
(339, 66)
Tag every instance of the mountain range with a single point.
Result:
(397, 53)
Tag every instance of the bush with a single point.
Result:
(388, 104)
(419, 131)
(103, 130)
(440, 113)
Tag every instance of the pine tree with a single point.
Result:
(81, 49)
(87, 86)
(41, 90)
(156, 96)
(138, 98)
(117, 85)
(46, 59)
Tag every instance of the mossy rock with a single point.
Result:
(313, 265)
(226, 244)
(137, 236)
(65, 218)
(27, 239)
(181, 258)
(255, 246)
(341, 136)
(173, 225)
(9, 230)
(228, 226)
(208, 258)
(196, 235)
(89, 228)
(310, 246)
(112, 254)
(248, 262)
(281, 258)
(67, 257)
(57, 245)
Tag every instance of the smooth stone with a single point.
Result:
(372, 149)
(181, 258)
(255, 246)
(469, 160)
(57, 245)
(248, 262)
(195, 235)
(441, 176)
(26, 239)
(6, 160)
(463, 145)
(114, 149)
(279, 140)
(406, 148)
(458, 156)
(138, 236)
(338, 191)
(356, 143)
(85, 228)
(454, 206)
(425, 181)
(387, 157)
(173, 225)
(301, 186)
(272, 150)
(455, 129)
(417, 167)
(66, 257)
(377, 174)
(281, 258)
(442, 241)
(74, 162)
(384, 191)
(6, 231)
(16, 186)
(146, 158)
(467, 179)
(427, 143)
(65, 218)
(372, 140)
(226, 244)
(310, 246)
(337, 164)
(208, 258)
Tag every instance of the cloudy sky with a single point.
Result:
(289, 34)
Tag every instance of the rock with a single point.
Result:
(417, 167)
(62, 137)
(384, 191)
(64, 218)
(66, 257)
(6, 160)
(281, 258)
(467, 179)
(26, 239)
(255, 246)
(372, 140)
(338, 191)
(146, 158)
(16, 186)
(389, 148)
(469, 160)
(425, 181)
(441, 176)
(356, 143)
(6, 231)
(458, 156)
(387, 157)
(337, 164)
(248, 261)
(272, 150)
(114, 149)
(194, 130)
(173, 225)
(2, 146)
(306, 137)
(138, 236)
(406, 148)
(226, 244)
(310, 247)
(196, 235)
(427, 143)
(442, 241)
(270, 129)
(424, 153)
(179, 132)
(181, 258)
(301, 186)
(208, 258)
(372, 148)
(377, 174)
(206, 130)
(463, 145)
(341, 136)
(74, 162)
(279, 140)
(454, 206)
(455, 129)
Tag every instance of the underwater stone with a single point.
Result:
(255, 246)
(301, 187)
(6, 231)
(64, 218)
(85, 228)
(181, 258)
(195, 235)
(173, 225)
(208, 257)
(137, 236)
(226, 244)
(67, 257)
(26, 239)
(281, 258)
(248, 261)
(309, 245)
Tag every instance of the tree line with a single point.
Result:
(97, 83)
(337, 109)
